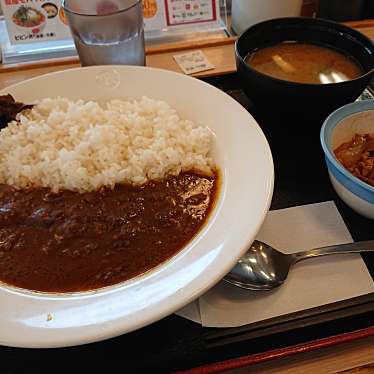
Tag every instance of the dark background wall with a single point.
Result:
(345, 10)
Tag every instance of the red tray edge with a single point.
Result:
(258, 358)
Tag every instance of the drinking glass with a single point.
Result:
(107, 31)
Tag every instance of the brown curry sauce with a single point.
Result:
(70, 241)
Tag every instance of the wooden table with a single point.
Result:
(352, 357)
(355, 357)
(220, 52)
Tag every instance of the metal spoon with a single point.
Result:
(265, 268)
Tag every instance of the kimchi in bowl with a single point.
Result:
(347, 138)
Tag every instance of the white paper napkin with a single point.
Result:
(312, 283)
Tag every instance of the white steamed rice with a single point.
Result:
(83, 146)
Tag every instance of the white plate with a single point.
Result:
(30, 319)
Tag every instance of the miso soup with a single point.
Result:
(304, 63)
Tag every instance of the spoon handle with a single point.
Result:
(364, 246)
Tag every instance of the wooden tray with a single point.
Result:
(174, 343)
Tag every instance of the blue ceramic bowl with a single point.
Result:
(340, 127)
